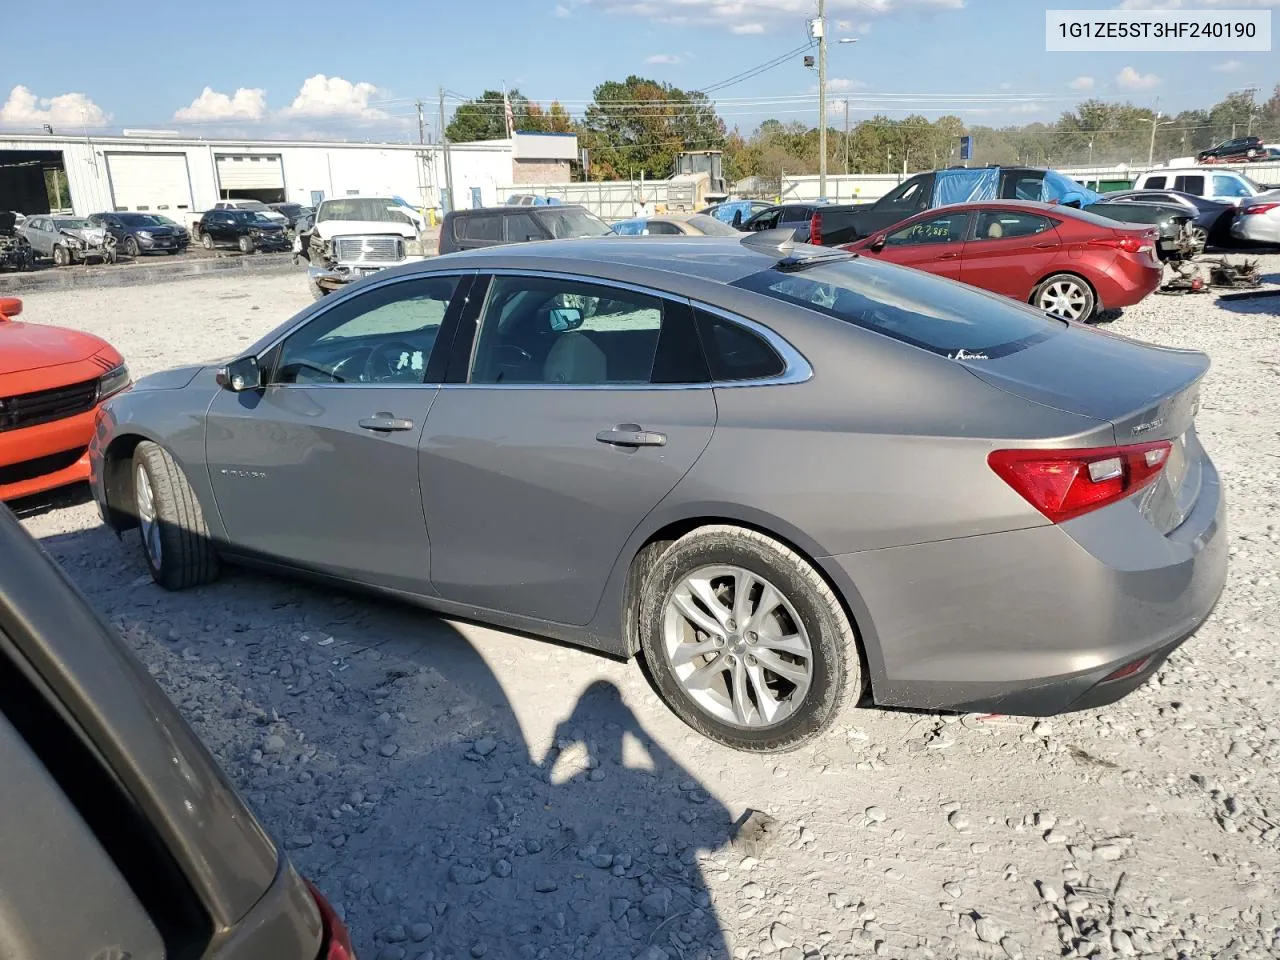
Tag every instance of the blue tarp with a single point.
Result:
(965, 186)
(630, 228)
(724, 211)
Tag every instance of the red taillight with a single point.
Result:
(815, 229)
(1127, 244)
(1258, 208)
(1128, 670)
(1063, 484)
(337, 942)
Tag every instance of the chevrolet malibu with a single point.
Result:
(788, 477)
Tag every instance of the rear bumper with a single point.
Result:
(1032, 621)
(1127, 282)
(44, 457)
(1259, 228)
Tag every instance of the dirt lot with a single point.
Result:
(460, 792)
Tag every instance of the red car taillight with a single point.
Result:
(815, 229)
(1127, 244)
(337, 941)
(1063, 484)
(1258, 208)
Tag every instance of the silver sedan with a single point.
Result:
(1257, 219)
(788, 477)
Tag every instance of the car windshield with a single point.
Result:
(566, 223)
(68, 223)
(925, 311)
(251, 205)
(378, 210)
(712, 227)
(145, 220)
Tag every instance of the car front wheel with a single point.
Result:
(745, 641)
(1066, 296)
(206, 241)
(175, 539)
(245, 244)
(60, 256)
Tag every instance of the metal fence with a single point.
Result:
(610, 200)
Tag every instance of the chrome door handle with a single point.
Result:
(385, 423)
(1046, 246)
(631, 435)
(946, 256)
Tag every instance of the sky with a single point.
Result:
(341, 70)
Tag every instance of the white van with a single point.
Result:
(1225, 186)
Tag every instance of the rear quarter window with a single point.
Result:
(924, 311)
(735, 353)
(478, 228)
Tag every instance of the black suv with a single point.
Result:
(247, 230)
(491, 226)
(1241, 148)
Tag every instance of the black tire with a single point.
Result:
(206, 241)
(317, 292)
(1088, 299)
(131, 248)
(187, 557)
(837, 675)
(60, 257)
(245, 244)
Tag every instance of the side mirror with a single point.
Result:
(876, 245)
(239, 375)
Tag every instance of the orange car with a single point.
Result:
(52, 381)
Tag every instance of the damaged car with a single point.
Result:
(353, 237)
(15, 251)
(67, 240)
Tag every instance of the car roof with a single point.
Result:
(515, 209)
(1177, 170)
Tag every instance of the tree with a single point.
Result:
(485, 117)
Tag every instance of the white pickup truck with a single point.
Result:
(356, 236)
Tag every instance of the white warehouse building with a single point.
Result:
(180, 177)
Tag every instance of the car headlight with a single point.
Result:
(145, 234)
(113, 381)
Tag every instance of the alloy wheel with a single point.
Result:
(737, 646)
(148, 525)
(1067, 299)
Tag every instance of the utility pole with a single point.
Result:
(846, 136)
(422, 128)
(820, 32)
(448, 162)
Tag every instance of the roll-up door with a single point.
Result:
(156, 182)
(249, 172)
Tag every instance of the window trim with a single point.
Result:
(268, 356)
(796, 368)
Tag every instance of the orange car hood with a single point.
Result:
(32, 346)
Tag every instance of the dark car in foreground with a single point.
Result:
(493, 226)
(1175, 236)
(121, 836)
(246, 230)
(788, 476)
(139, 233)
(1064, 261)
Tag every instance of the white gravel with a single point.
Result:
(461, 792)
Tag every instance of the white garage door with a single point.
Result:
(249, 172)
(149, 181)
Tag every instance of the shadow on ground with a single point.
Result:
(381, 749)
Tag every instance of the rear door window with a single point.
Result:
(1005, 224)
(1190, 183)
(915, 308)
(481, 229)
(1154, 183)
(660, 228)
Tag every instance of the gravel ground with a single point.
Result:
(459, 792)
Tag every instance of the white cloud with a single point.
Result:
(663, 58)
(1131, 79)
(843, 85)
(1228, 66)
(561, 12)
(751, 16)
(1083, 84)
(323, 96)
(245, 104)
(25, 109)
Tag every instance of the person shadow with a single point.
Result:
(407, 788)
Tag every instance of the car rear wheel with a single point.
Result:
(175, 540)
(206, 241)
(245, 244)
(60, 256)
(745, 641)
(1066, 296)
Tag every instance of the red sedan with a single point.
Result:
(1066, 262)
(52, 381)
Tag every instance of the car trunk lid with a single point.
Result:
(1147, 393)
